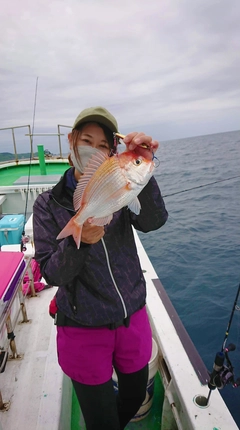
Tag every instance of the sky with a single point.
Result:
(169, 68)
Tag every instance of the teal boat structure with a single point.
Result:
(34, 393)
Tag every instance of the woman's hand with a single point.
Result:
(91, 233)
(136, 141)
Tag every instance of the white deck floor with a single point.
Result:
(33, 384)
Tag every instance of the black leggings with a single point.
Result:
(102, 409)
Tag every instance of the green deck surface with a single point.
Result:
(8, 175)
(151, 422)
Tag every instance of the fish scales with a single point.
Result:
(110, 177)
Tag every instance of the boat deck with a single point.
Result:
(11, 174)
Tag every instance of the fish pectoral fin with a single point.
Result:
(72, 229)
(102, 221)
(135, 206)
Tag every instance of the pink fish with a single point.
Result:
(107, 185)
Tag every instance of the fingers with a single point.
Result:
(134, 139)
(91, 233)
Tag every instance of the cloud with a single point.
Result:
(171, 67)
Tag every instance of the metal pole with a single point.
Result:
(11, 337)
(14, 145)
(31, 141)
(4, 406)
(59, 141)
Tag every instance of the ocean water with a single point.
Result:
(197, 253)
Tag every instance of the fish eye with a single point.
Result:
(138, 161)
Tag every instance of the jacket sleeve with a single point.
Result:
(153, 214)
(60, 261)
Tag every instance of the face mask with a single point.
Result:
(85, 153)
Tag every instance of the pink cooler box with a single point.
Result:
(12, 265)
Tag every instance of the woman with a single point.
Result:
(101, 315)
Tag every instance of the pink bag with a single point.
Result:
(38, 285)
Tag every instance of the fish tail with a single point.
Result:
(72, 229)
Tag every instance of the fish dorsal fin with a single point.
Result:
(101, 221)
(93, 164)
(135, 206)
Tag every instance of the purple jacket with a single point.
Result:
(102, 283)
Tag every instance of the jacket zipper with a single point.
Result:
(114, 282)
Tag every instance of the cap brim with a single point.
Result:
(97, 118)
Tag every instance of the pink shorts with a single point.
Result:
(88, 355)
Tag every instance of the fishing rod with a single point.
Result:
(222, 374)
(25, 239)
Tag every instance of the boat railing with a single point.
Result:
(30, 134)
(59, 137)
(14, 139)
